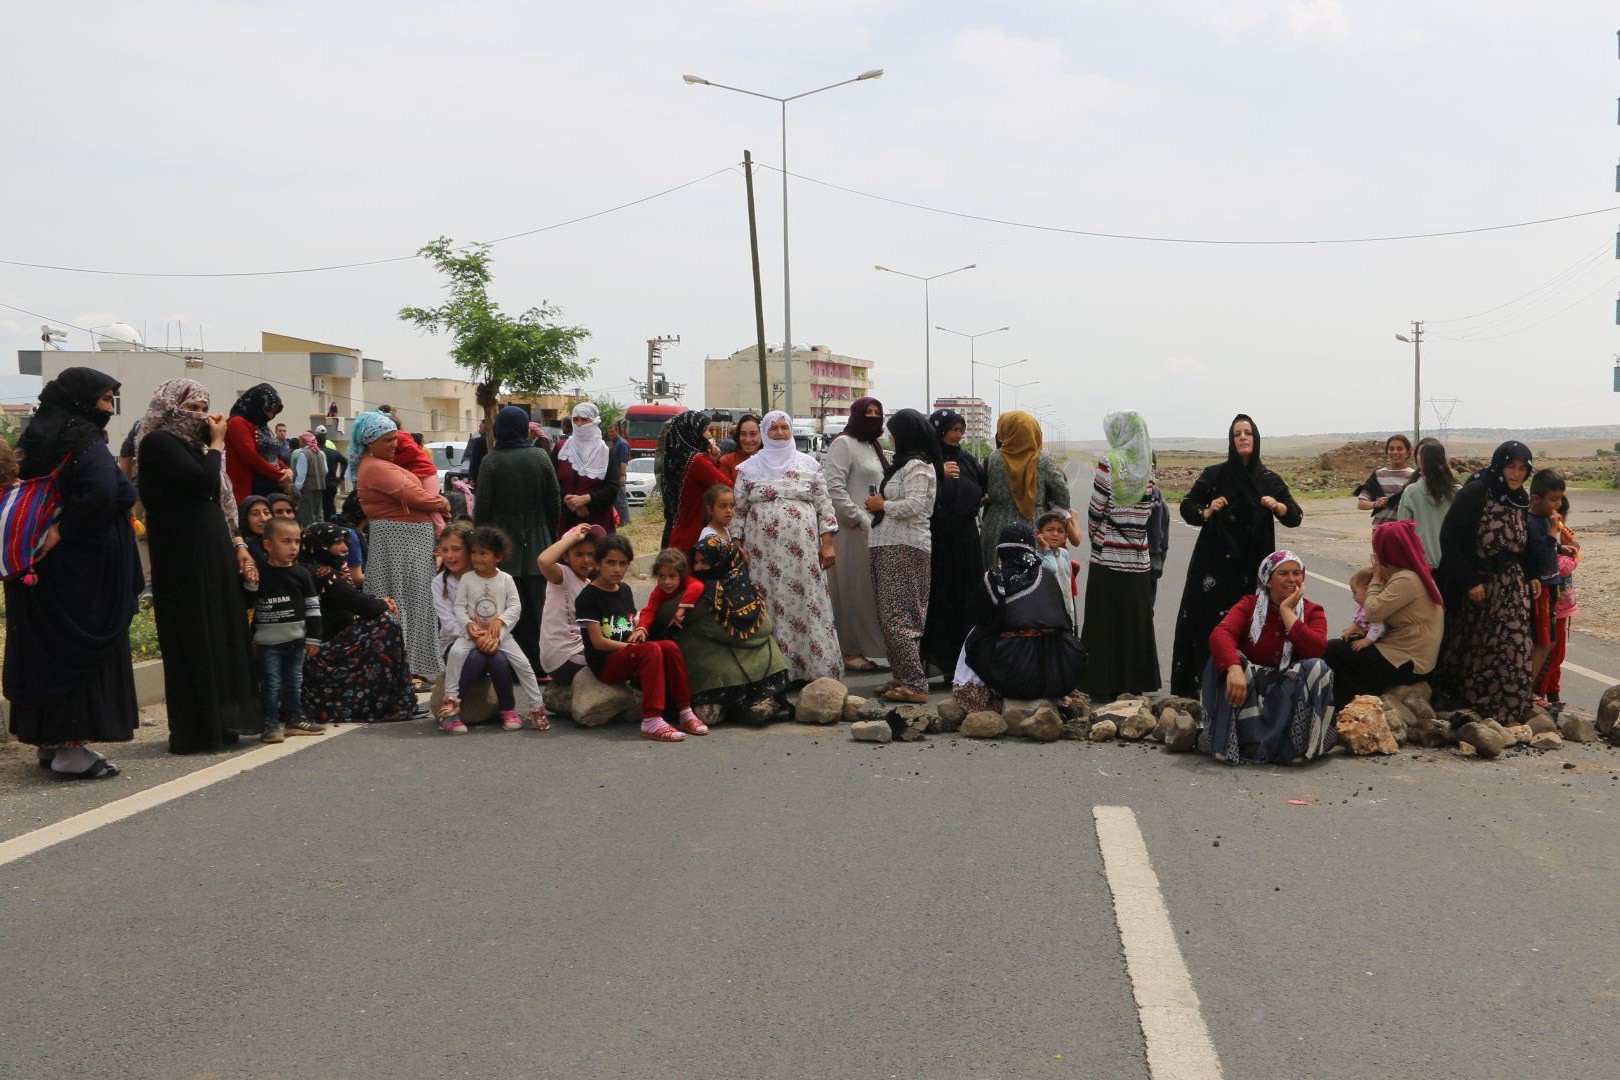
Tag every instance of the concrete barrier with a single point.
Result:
(148, 691)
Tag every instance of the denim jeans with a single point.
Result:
(281, 681)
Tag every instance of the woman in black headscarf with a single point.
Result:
(518, 493)
(687, 469)
(1235, 506)
(68, 673)
(1485, 577)
(1022, 643)
(252, 455)
(956, 557)
(361, 673)
(901, 546)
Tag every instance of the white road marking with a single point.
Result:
(51, 835)
(1178, 1042)
(1313, 574)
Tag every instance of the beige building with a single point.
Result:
(974, 411)
(824, 382)
(311, 377)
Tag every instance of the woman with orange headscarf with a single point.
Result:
(1023, 482)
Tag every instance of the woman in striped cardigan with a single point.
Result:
(1122, 656)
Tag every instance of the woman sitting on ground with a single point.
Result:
(1404, 597)
(360, 674)
(733, 663)
(1022, 644)
(1267, 694)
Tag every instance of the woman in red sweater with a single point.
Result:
(690, 471)
(1267, 693)
(252, 459)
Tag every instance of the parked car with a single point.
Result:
(639, 480)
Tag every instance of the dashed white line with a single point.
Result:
(27, 844)
(1178, 1042)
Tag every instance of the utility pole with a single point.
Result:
(759, 296)
(657, 386)
(1417, 377)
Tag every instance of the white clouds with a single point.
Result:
(1299, 19)
(1184, 364)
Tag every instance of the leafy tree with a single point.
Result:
(530, 354)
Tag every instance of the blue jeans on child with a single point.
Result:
(281, 681)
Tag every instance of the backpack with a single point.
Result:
(28, 509)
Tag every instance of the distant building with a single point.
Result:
(310, 376)
(824, 383)
(974, 411)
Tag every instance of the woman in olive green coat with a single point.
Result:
(518, 493)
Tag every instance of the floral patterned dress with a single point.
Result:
(1485, 660)
(781, 520)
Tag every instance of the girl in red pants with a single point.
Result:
(617, 650)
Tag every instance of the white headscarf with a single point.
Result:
(585, 449)
(776, 456)
(1262, 600)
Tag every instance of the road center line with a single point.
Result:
(79, 824)
(1178, 1042)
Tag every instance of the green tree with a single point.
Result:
(611, 409)
(531, 354)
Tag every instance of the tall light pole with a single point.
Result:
(998, 368)
(1015, 387)
(787, 290)
(973, 353)
(1417, 377)
(928, 338)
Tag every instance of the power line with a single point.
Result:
(1602, 247)
(1515, 313)
(1186, 239)
(366, 262)
(1549, 318)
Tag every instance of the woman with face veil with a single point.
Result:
(67, 668)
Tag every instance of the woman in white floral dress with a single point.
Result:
(787, 525)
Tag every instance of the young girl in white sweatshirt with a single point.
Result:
(487, 607)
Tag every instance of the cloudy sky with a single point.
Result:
(211, 138)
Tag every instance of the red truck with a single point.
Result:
(646, 422)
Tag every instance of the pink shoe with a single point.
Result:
(539, 720)
(452, 725)
(510, 721)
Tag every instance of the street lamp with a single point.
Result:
(787, 291)
(928, 339)
(973, 361)
(1416, 341)
(1015, 387)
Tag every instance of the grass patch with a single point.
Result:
(143, 639)
(646, 527)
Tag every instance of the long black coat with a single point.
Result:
(1225, 561)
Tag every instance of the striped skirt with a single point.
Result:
(399, 564)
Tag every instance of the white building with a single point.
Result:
(974, 411)
(311, 377)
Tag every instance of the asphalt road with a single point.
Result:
(786, 902)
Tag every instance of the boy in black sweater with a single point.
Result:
(286, 625)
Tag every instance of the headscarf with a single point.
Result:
(309, 440)
(682, 438)
(1262, 596)
(586, 450)
(914, 440)
(1245, 478)
(961, 499)
(536, 432)
(1397, 545)
(280, 497)
(66, 421)
(257, 403)
(368, 427)
(246, 505)
(727, 588)
(1130, 461)
(165, 413)
(1018, 563)
(511, 428)
(776, 456)
(315, 549)
(859, 426)
(1018, 437)
(1494, 475)
(943, 420)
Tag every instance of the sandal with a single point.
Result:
(905, 696)
(693, 726)
(98, 770)
(860, 663)
(663, 733)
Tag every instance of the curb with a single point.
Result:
(148, 691)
